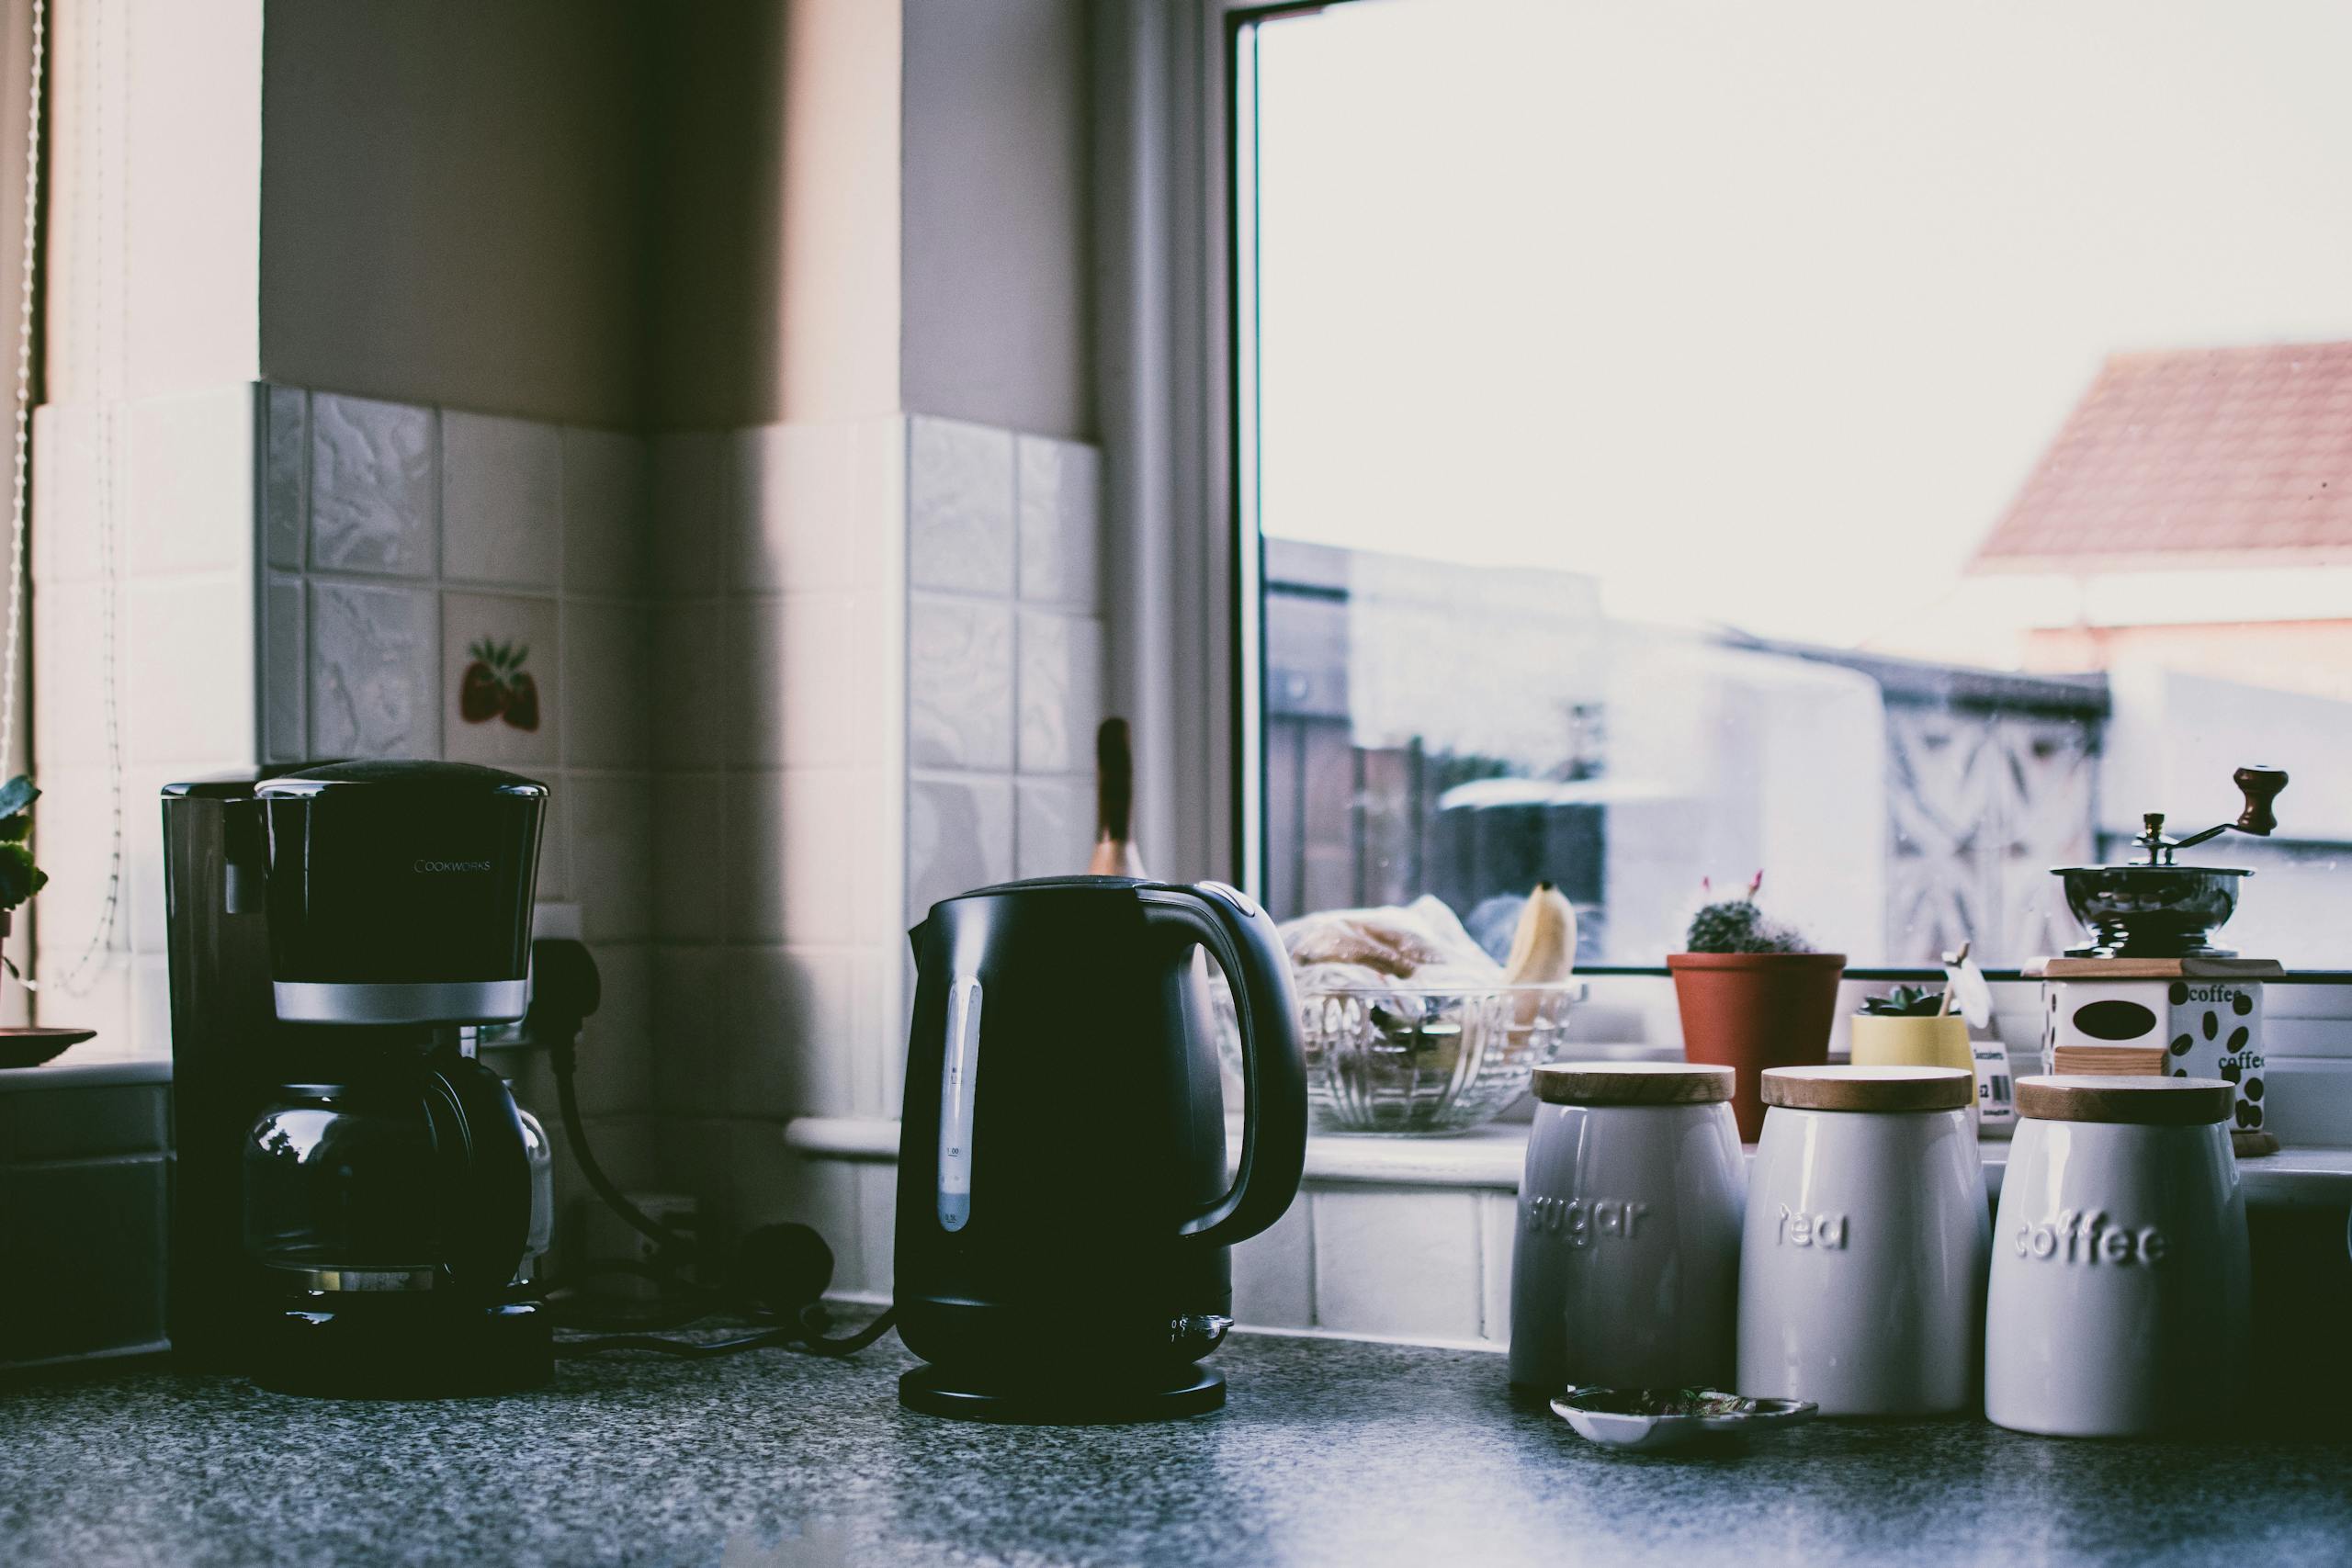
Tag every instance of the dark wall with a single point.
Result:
(451, 202)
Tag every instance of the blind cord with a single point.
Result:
(24, 387)
(80, 976)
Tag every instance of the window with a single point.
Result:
(1893, 448)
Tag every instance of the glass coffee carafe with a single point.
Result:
(415, 1171)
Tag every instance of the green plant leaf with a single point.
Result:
(16, 795)
(1904, 1001)
(19, 878)
(18, 828)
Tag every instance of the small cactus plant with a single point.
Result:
(1736, 925)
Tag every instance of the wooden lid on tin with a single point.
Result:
(1870, 1089)
(2148, 1101)
(1632, 1083)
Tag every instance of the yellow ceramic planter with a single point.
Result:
(1881, 1041)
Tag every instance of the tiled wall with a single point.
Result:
(397, 539)
(1430, 1265)
(1004, 657)
(792, 684)
(878, 660)
(776, 799)
(301, 575)
(177, 476)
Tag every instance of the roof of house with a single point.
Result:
(2189, 457)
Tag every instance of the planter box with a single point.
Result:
(85, 1207)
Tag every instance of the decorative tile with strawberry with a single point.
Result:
(496, 685)
(498, 666)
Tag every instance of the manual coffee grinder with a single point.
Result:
(2149, 993)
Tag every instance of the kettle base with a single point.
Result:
(934, 1391)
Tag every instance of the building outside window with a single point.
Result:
(1678, 446)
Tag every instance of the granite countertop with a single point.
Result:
(1331, 1451)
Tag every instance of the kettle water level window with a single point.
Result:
(1891, 448)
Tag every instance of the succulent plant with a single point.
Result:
(19, 877)
(1906, 1001)
(1736, 925)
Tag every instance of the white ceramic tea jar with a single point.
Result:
(2119, 1298)
(1625, 1264)
(1861, 1279)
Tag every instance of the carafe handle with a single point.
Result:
(1242, 938)
(485, 1173)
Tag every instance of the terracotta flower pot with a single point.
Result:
(1749, 1012)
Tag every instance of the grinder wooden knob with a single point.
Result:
(2261, 786)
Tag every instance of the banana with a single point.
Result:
(1543, 950)
(1544, 947)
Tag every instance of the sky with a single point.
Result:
(1760, 313)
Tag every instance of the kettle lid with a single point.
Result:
(1075, 879)
(1035, 889)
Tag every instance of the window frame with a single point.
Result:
(1238, 94)
(1210, 398)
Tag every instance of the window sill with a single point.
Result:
(1491, 1158)
(86, 1073)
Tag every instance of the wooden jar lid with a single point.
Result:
(1870, 1089)
(1632, 1083)
(2150, 1101)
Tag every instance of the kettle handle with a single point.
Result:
(1243, 940)
(485, 1173)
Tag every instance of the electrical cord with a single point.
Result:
(696, 1302)
(562, 1057)
(780, 1270)
(803, 1338)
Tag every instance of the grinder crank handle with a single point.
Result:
(2260, 787)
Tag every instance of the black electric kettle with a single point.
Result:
(1063, 1210)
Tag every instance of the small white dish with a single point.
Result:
(1647, 1419)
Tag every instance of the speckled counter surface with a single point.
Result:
(1330, 1452)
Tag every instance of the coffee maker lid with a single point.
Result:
(451, 777)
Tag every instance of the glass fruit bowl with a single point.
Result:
(1409, 1059)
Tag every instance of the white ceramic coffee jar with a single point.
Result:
(2119, 1298)
(1625, 1264)
(1861, 1278)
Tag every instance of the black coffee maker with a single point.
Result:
(358, 1202)
(1063, 1210)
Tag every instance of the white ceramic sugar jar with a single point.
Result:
(1861, 1279)
(2119, 1298)
(1625, 1263)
